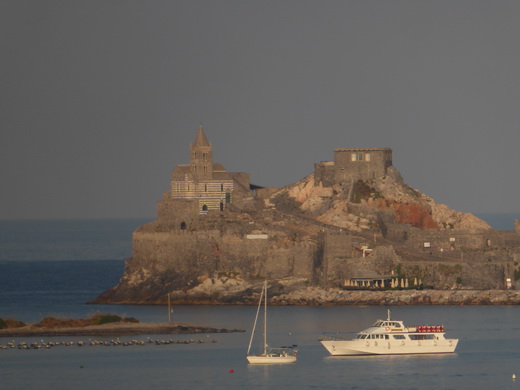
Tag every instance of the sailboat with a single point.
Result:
(269, 355)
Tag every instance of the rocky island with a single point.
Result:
(351, 232)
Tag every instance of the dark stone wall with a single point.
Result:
(178, 213)
(210, 252)
(347, 170)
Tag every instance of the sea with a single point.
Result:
(55, 267)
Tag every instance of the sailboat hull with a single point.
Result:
(282, 355)
(271, 359)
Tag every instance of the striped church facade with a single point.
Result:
(204, 181)
(210, 194)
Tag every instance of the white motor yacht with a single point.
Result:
(390, 337)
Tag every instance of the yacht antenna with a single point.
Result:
(388, 319)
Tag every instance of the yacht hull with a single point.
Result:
(388, 347)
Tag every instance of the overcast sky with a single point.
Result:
(100, 99)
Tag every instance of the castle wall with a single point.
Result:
(361, 163)
(193, 253)
(324, 174)
(453, 274)
(448, 240)
(178, 213)
(444, 241)
(336, 257)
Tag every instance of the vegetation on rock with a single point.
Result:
(97, 319)
(10, 323)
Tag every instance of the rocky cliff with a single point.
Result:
(356, 207)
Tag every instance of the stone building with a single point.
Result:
(201, 186)
(351, 164)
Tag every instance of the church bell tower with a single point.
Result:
(201, 157)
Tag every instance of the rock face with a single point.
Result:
(353, 222)
(389, 193)
(296, 291)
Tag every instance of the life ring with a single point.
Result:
(402, 342)
(368, 344)
(387, 329)
(435, 343)
(419, 343)
(375, 343)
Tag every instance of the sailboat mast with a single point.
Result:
(256, 319)
(265, 317)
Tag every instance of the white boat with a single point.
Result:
(390, 337)
(282, 355)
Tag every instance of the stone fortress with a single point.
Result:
(352, 224)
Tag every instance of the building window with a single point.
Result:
(205, 188)
(353, 157)
(221, 206)
(360, 157)
(205, 207)
(222, 188)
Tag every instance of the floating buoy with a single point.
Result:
(513, 377)
(231, 371)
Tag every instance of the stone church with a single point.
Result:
(201, 186)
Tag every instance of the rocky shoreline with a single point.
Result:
(117, 329)
(290, 292)
(314, 296)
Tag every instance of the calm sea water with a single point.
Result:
(54, 267)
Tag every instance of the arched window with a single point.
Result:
(183, 225)
(205, 207)
(221, 187)
(221, 206)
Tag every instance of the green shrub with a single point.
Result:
(106, 319)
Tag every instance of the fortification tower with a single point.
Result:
(361, 163)
(351, 164)
(201, 157)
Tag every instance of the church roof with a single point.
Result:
(200, 139)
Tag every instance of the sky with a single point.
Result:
(100, 99)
